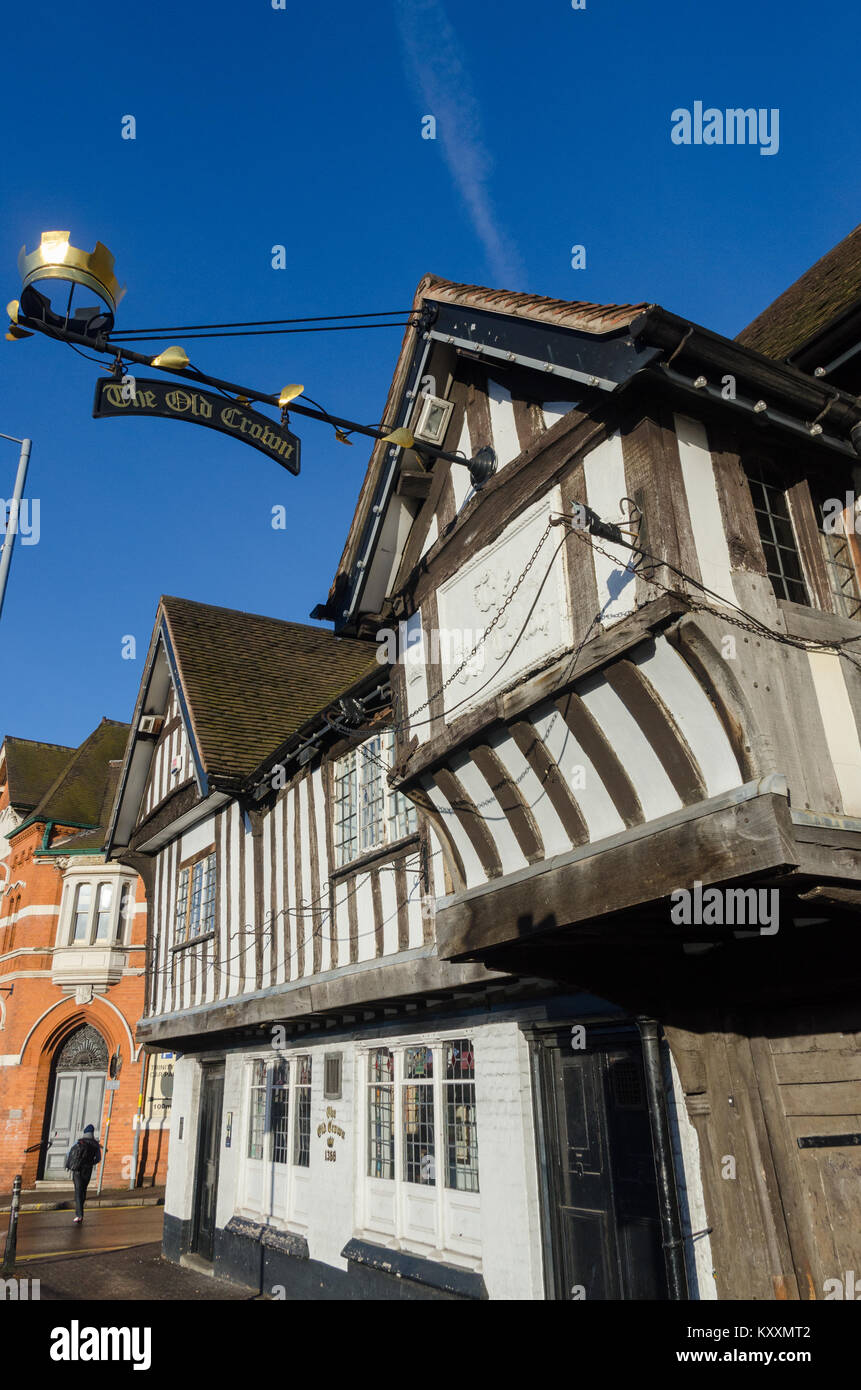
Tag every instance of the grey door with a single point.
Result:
(77, 1096)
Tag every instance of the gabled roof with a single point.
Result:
(250, 681)
(79, 795)
(31, 768)
(823, 292)
(595, 319)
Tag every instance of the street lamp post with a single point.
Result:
(11, 526)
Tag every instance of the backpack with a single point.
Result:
(78, 1157)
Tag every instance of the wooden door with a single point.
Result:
(208, 1152)
(599, 1191)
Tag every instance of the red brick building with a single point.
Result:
(72, 951)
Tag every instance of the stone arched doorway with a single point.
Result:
(77, 1091)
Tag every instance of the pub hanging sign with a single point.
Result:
(139, 396)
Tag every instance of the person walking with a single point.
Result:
(80, 1161)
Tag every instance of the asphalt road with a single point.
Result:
(43, 1234)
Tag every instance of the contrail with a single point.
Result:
(438, 67)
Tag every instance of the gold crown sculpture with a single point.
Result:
(55, 259)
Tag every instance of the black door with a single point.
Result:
(208, 1149)
(602, 1233)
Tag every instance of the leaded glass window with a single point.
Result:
(181, 905)
(461, 1137)
(195, 899)
(257, 1110)
(302, 1145)
(368, 814)
(280, 1111)
(381, 1126)
(418, 1116)
(782, 561)
(839, 563)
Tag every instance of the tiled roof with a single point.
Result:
(32, 768)
(251, 681)
(78, 796)
(825, 290)
(564, 313)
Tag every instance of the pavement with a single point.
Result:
(113, 1255)
(63, 1198)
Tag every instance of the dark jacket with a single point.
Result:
(83, 1156)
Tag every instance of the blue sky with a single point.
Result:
(302, 127)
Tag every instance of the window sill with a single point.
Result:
(815, 623)
(463, 1283)
(193, 941)
(373, 856)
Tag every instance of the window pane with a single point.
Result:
(207, 896)
(418, 1117)
(257, 1110)
(839, 564)
(280, 1112)
(346, 824)
(371, 795)
(196, 895)
(461, 1137)
(83, 897)
(782, 561)
(181, 905)
(302, 1146)
(125, 913)
(104, 899)
(402, 813)
(381, 1132)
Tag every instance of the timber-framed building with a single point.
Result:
(524, 964)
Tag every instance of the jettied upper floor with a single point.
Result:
(594, 724)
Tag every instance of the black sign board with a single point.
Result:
(828, 1141)
(140, 396)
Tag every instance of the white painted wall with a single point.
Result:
(179, 1194)
(509, 1224)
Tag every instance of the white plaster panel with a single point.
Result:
(694, 714)
(604, 474)
(704, 507)
(535, 626)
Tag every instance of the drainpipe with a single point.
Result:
(671, 1224)
(137, 1144)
